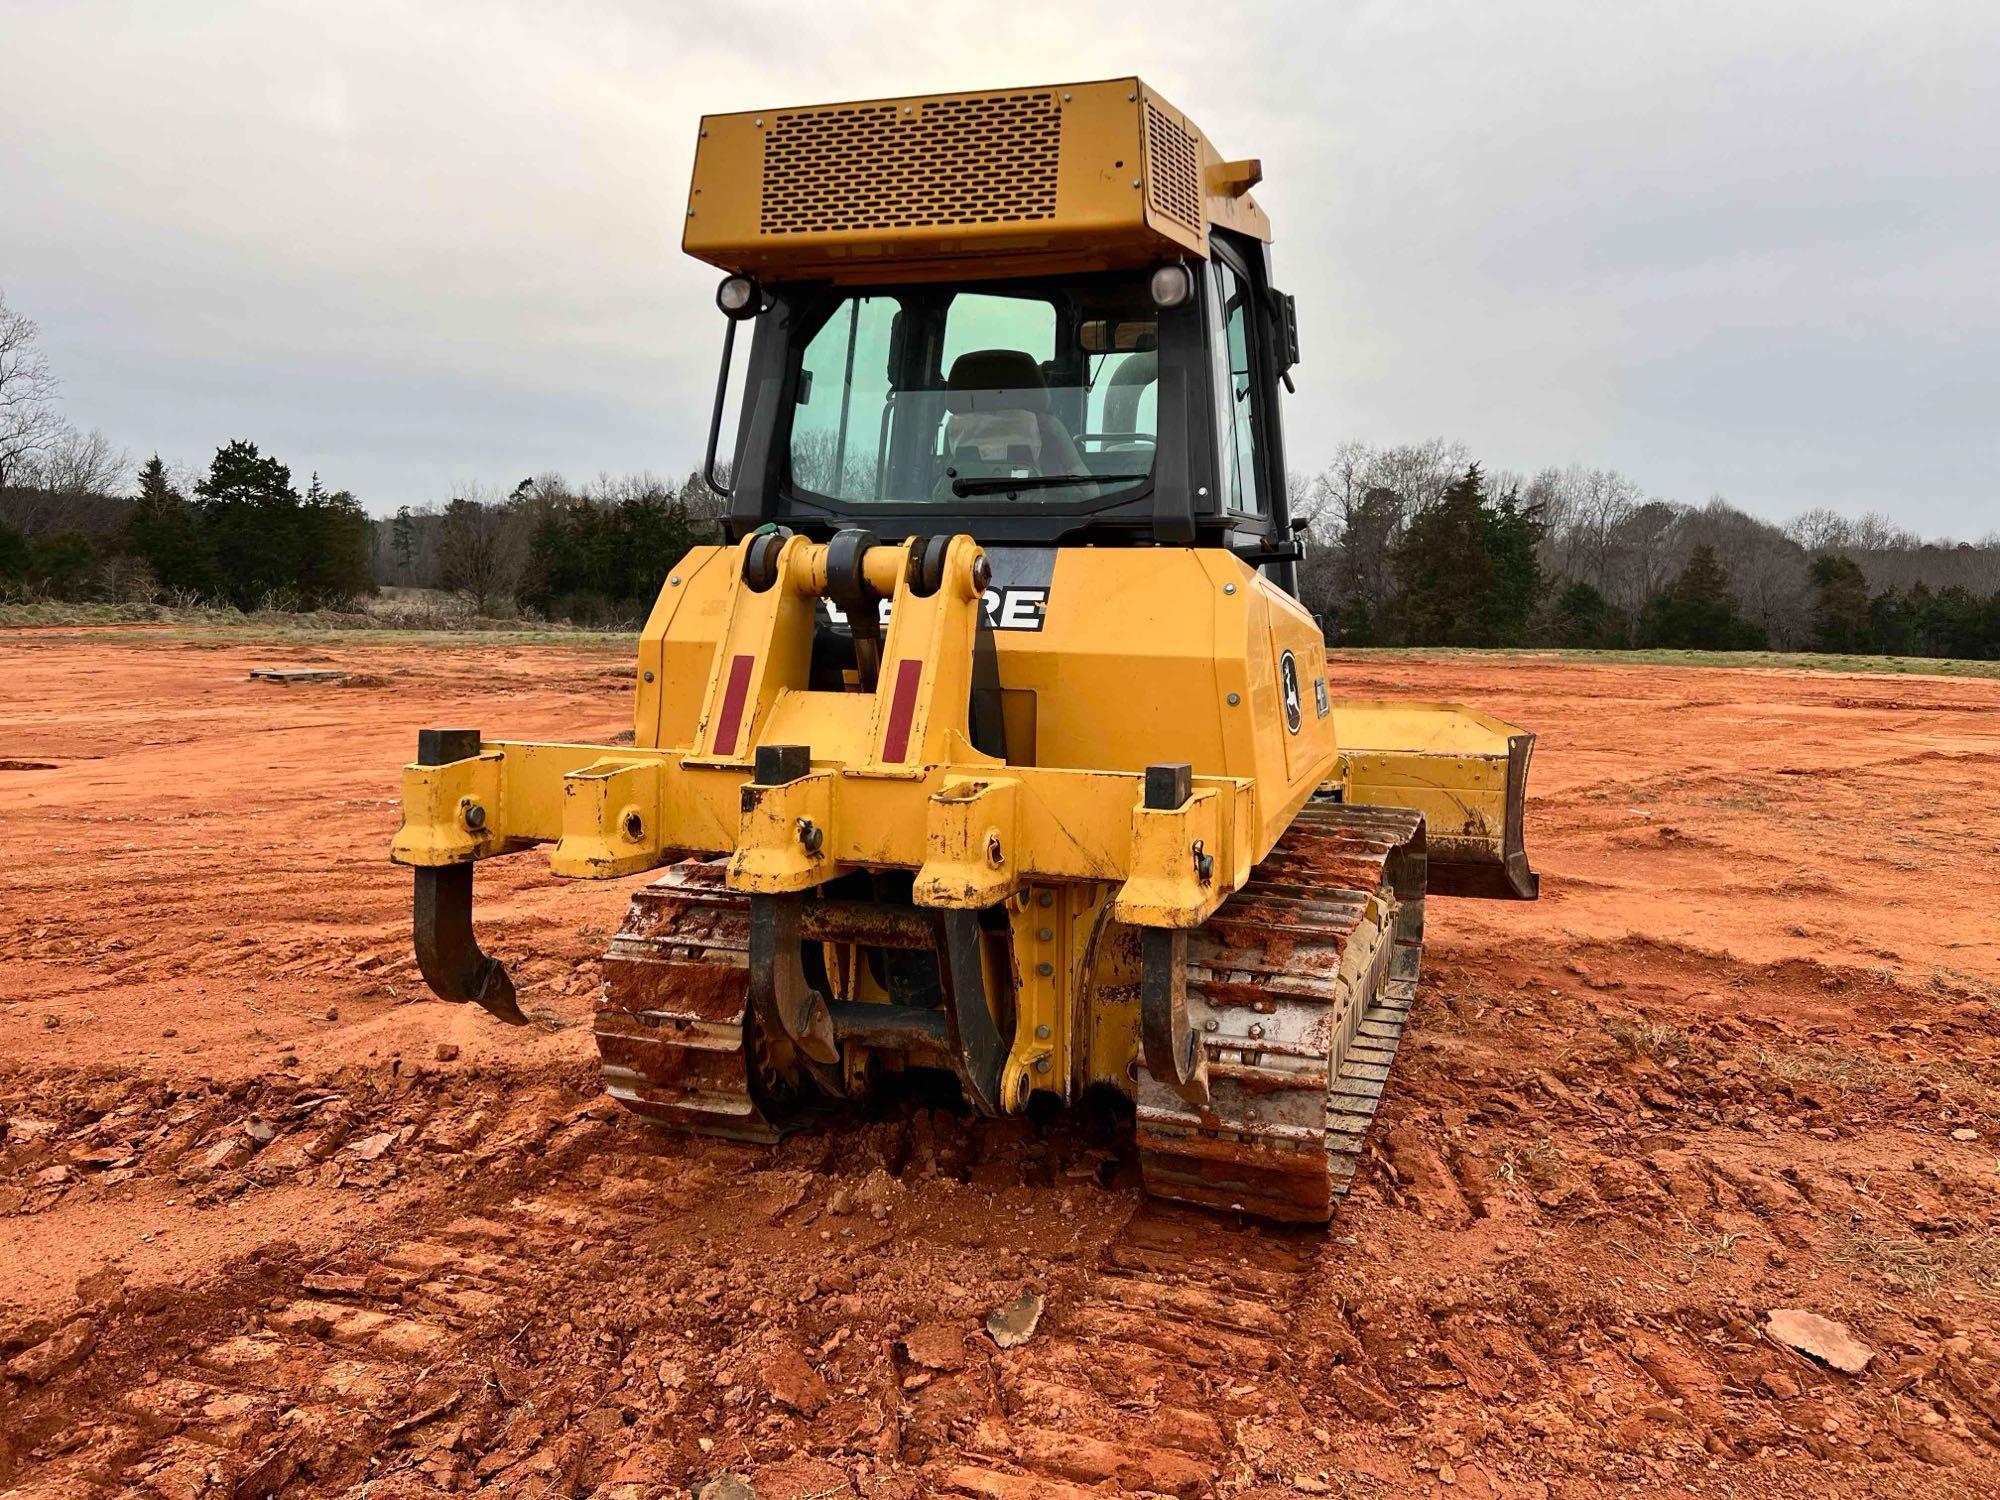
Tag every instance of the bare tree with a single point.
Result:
(1585, 511)
(81, 463)
(702, 502)
(73, 469)
(476, 551)
(1821, 529)
(1769, 572)
(29, 421)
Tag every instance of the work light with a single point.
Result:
(1171, 286)
(738, 297)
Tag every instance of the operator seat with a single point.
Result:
(999, 416)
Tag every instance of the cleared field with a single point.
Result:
(130, 624)
(271, 1222)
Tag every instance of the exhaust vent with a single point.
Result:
(978, 159)
(1173, 171)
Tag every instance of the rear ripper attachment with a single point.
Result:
(448, 954)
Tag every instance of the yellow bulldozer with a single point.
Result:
(995, 740)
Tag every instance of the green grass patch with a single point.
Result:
(141, 624)
(401, 622)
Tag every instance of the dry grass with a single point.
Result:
(1543, 1164)
(389, 621)
(1928, 1267)
(1963, 1082)
(1643, 1038)
(1850, 1072)
(1709, 1247)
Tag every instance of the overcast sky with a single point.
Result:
(1748, 248)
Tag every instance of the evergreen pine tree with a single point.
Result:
(164, 531)
(335, 547)
(1891, 624)
(1443, 570)
(1466, 570)
(1840, 605)
(1583, 618)
(1513, 533)
(1697, 611)
(1957, 625)
(250, 514)
(403, 544)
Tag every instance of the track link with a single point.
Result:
(1299, 985)
(670, 1018)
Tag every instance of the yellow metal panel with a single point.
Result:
(610, 811)
(834, 726)
(1166, 845)
(969, 849)
(1058, 176)
(1464, 770)
(452, 814)
(773, 855)
(1138, 656)
(1462, 800)
(1419, 727)
(929, 642)
(1054, 929)
(1108, 1018)
(677, 645)
(1071, 825)
(766, 647)
(1447, 762)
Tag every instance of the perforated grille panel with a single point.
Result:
(1173, 170)
(987, 159)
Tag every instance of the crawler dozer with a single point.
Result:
(995, 740)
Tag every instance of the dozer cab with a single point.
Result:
(995, 740)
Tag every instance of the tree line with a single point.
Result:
(240, 534)
(1415, 545)
(1418, 545)
(591, 554)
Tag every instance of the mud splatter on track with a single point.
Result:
(269, 1225)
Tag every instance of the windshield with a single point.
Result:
(1039, 391)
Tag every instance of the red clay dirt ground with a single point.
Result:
(272, 1224)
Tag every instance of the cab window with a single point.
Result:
(842, 416)
(1237, 398)
(1041, 391)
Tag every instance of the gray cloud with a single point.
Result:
(1746, 249)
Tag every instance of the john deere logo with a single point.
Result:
(1288, 682)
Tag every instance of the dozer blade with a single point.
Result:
(1465, 771)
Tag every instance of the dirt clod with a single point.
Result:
(1013, 1324)
(1830, 1343)
(794, 1383)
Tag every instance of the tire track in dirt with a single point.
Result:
(1686, 1089)
(551, 1334)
